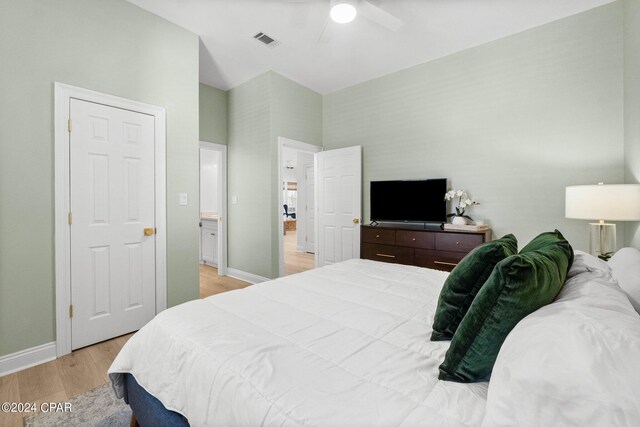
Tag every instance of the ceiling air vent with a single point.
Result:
(267, 40)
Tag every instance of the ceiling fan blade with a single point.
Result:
(325, 35)
(379, 16)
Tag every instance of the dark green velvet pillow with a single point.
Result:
(465, 281)
(546, 239)
(518, 286)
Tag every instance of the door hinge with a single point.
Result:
(70, 218)
(69, 124)
(71, 310)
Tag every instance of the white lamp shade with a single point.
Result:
(613, 202)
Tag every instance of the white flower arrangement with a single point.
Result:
(463, 202)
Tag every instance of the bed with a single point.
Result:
(348, 345)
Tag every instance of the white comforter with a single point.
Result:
(343, 345)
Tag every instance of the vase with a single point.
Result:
(459, 220)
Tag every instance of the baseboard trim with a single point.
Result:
(27, 358)
(247, 277)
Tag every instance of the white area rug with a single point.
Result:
(96, 408)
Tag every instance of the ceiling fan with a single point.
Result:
(345, 11)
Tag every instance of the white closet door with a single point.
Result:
(339, 201)
(112, 203)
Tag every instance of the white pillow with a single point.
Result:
(592, 262)
(625, 267)
(574, 362)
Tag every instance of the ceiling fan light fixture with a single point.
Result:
(343, 12)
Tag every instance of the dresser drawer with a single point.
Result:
(437, 260)
(416, 239)
(457, 242)
(378, 235)
(386, 253)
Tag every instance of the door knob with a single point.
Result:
(356, 220)
(149, 231)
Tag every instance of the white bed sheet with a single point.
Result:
(343, 345)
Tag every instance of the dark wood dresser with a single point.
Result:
(424, 247)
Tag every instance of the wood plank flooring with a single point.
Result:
(211, 283)
(86, 368)
(294, 261)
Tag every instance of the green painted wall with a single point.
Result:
(632, 105)
(107, 46)
(513, 122)
(213, 114)
(249, 151)
(296, 113)
(260, 110)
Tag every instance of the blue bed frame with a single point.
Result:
(148, 410)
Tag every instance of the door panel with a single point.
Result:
(329, 249)
(133, 268)
(112, 202)
(348, 243)
(339, 178)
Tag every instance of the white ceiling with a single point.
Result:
(355, 52)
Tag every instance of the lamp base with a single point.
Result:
(602, 242)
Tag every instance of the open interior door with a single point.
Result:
(339, 204)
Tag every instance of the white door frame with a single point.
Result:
(296, 145)
(63, 95)
(305, 192)
(222, 204)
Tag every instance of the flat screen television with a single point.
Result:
(408, 201)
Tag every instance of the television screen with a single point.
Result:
(409, 201)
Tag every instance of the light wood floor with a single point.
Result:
(86, 368)
(211, 283)
(294, 261)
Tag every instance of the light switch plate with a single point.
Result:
(234, 200)
(184, 200)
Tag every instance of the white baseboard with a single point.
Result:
(27, 358)
(247, 277)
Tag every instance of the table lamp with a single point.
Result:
(612, 202)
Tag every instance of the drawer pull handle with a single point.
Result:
(445, 263)
(377, 235)
(386, 256)
(414, 239)
(457, 243)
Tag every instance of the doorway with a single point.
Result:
(110, 215)
(296, 206)
(213, 207)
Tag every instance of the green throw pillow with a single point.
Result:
(465, 281)
(546, 239)
(518, 286)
